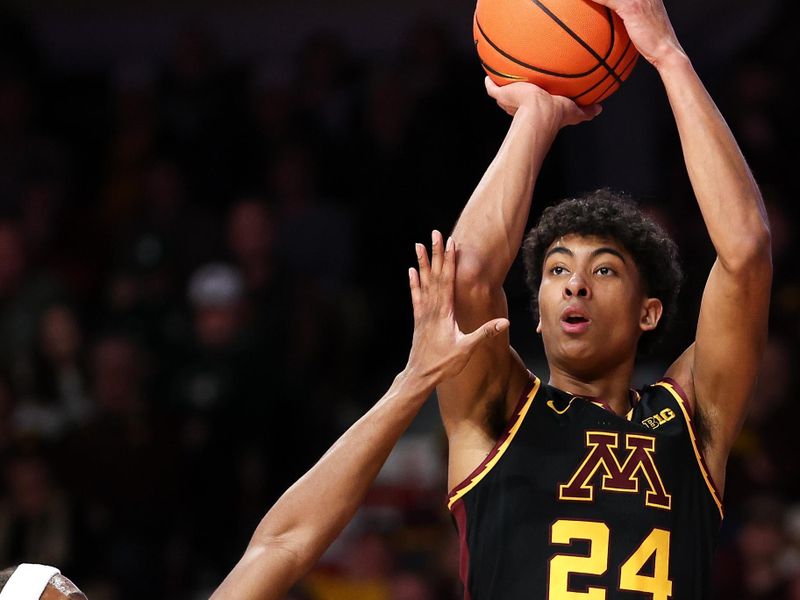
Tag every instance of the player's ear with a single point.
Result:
(539, 326)
(651, 314)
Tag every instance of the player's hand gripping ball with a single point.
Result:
(572, 48)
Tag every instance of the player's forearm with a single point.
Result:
(490, 228)
(310, 514)
(726, 191)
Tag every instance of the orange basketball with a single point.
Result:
(572, 48)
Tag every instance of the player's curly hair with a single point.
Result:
(613, 215)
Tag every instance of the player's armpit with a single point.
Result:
(720, 369)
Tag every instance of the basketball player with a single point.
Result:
(580, 487)
(37, 582)
(307, 518)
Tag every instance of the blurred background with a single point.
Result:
(207, 212)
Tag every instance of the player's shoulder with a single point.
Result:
(665, 391)
(666, 400)
(680, 376)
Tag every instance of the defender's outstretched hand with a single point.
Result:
(439, 349)
(648, 26)
(562, 110)
(311, 513)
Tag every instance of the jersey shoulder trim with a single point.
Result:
(500, 447)
(683, 403)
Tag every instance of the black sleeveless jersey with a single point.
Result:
(575, 502)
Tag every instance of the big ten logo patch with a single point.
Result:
(658, 419)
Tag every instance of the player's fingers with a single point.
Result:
(574, 113)
(590, 112)
(437, 253)
(487, 331)
(509, 109)
(424, 264)
(491, 87)
(612, 4)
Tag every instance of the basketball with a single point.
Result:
(572, 48)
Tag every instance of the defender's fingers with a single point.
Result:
(416, 292)
(487, 331)
(437, 252)
(424, 264)
(448, 275)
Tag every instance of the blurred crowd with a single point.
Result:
(203, 283)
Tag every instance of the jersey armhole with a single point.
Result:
(684, 396)
(686, 408)
(502, 444)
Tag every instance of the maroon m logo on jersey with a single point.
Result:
(622, 477)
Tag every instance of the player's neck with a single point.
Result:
(612, 388)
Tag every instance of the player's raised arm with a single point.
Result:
(491, 226)
(719, 371)
(311, 513)
(489, 233)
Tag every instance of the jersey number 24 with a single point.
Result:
(655, 545)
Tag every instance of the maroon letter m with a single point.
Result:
(617, 477)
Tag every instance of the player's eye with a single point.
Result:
(604, 271)
(558, 270)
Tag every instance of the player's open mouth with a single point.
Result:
(576, 319)
(573, 320)
(575, 325)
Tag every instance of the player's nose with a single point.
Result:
(577, 286)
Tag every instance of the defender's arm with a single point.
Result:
(313, 511)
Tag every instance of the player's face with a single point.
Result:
(592, 305)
